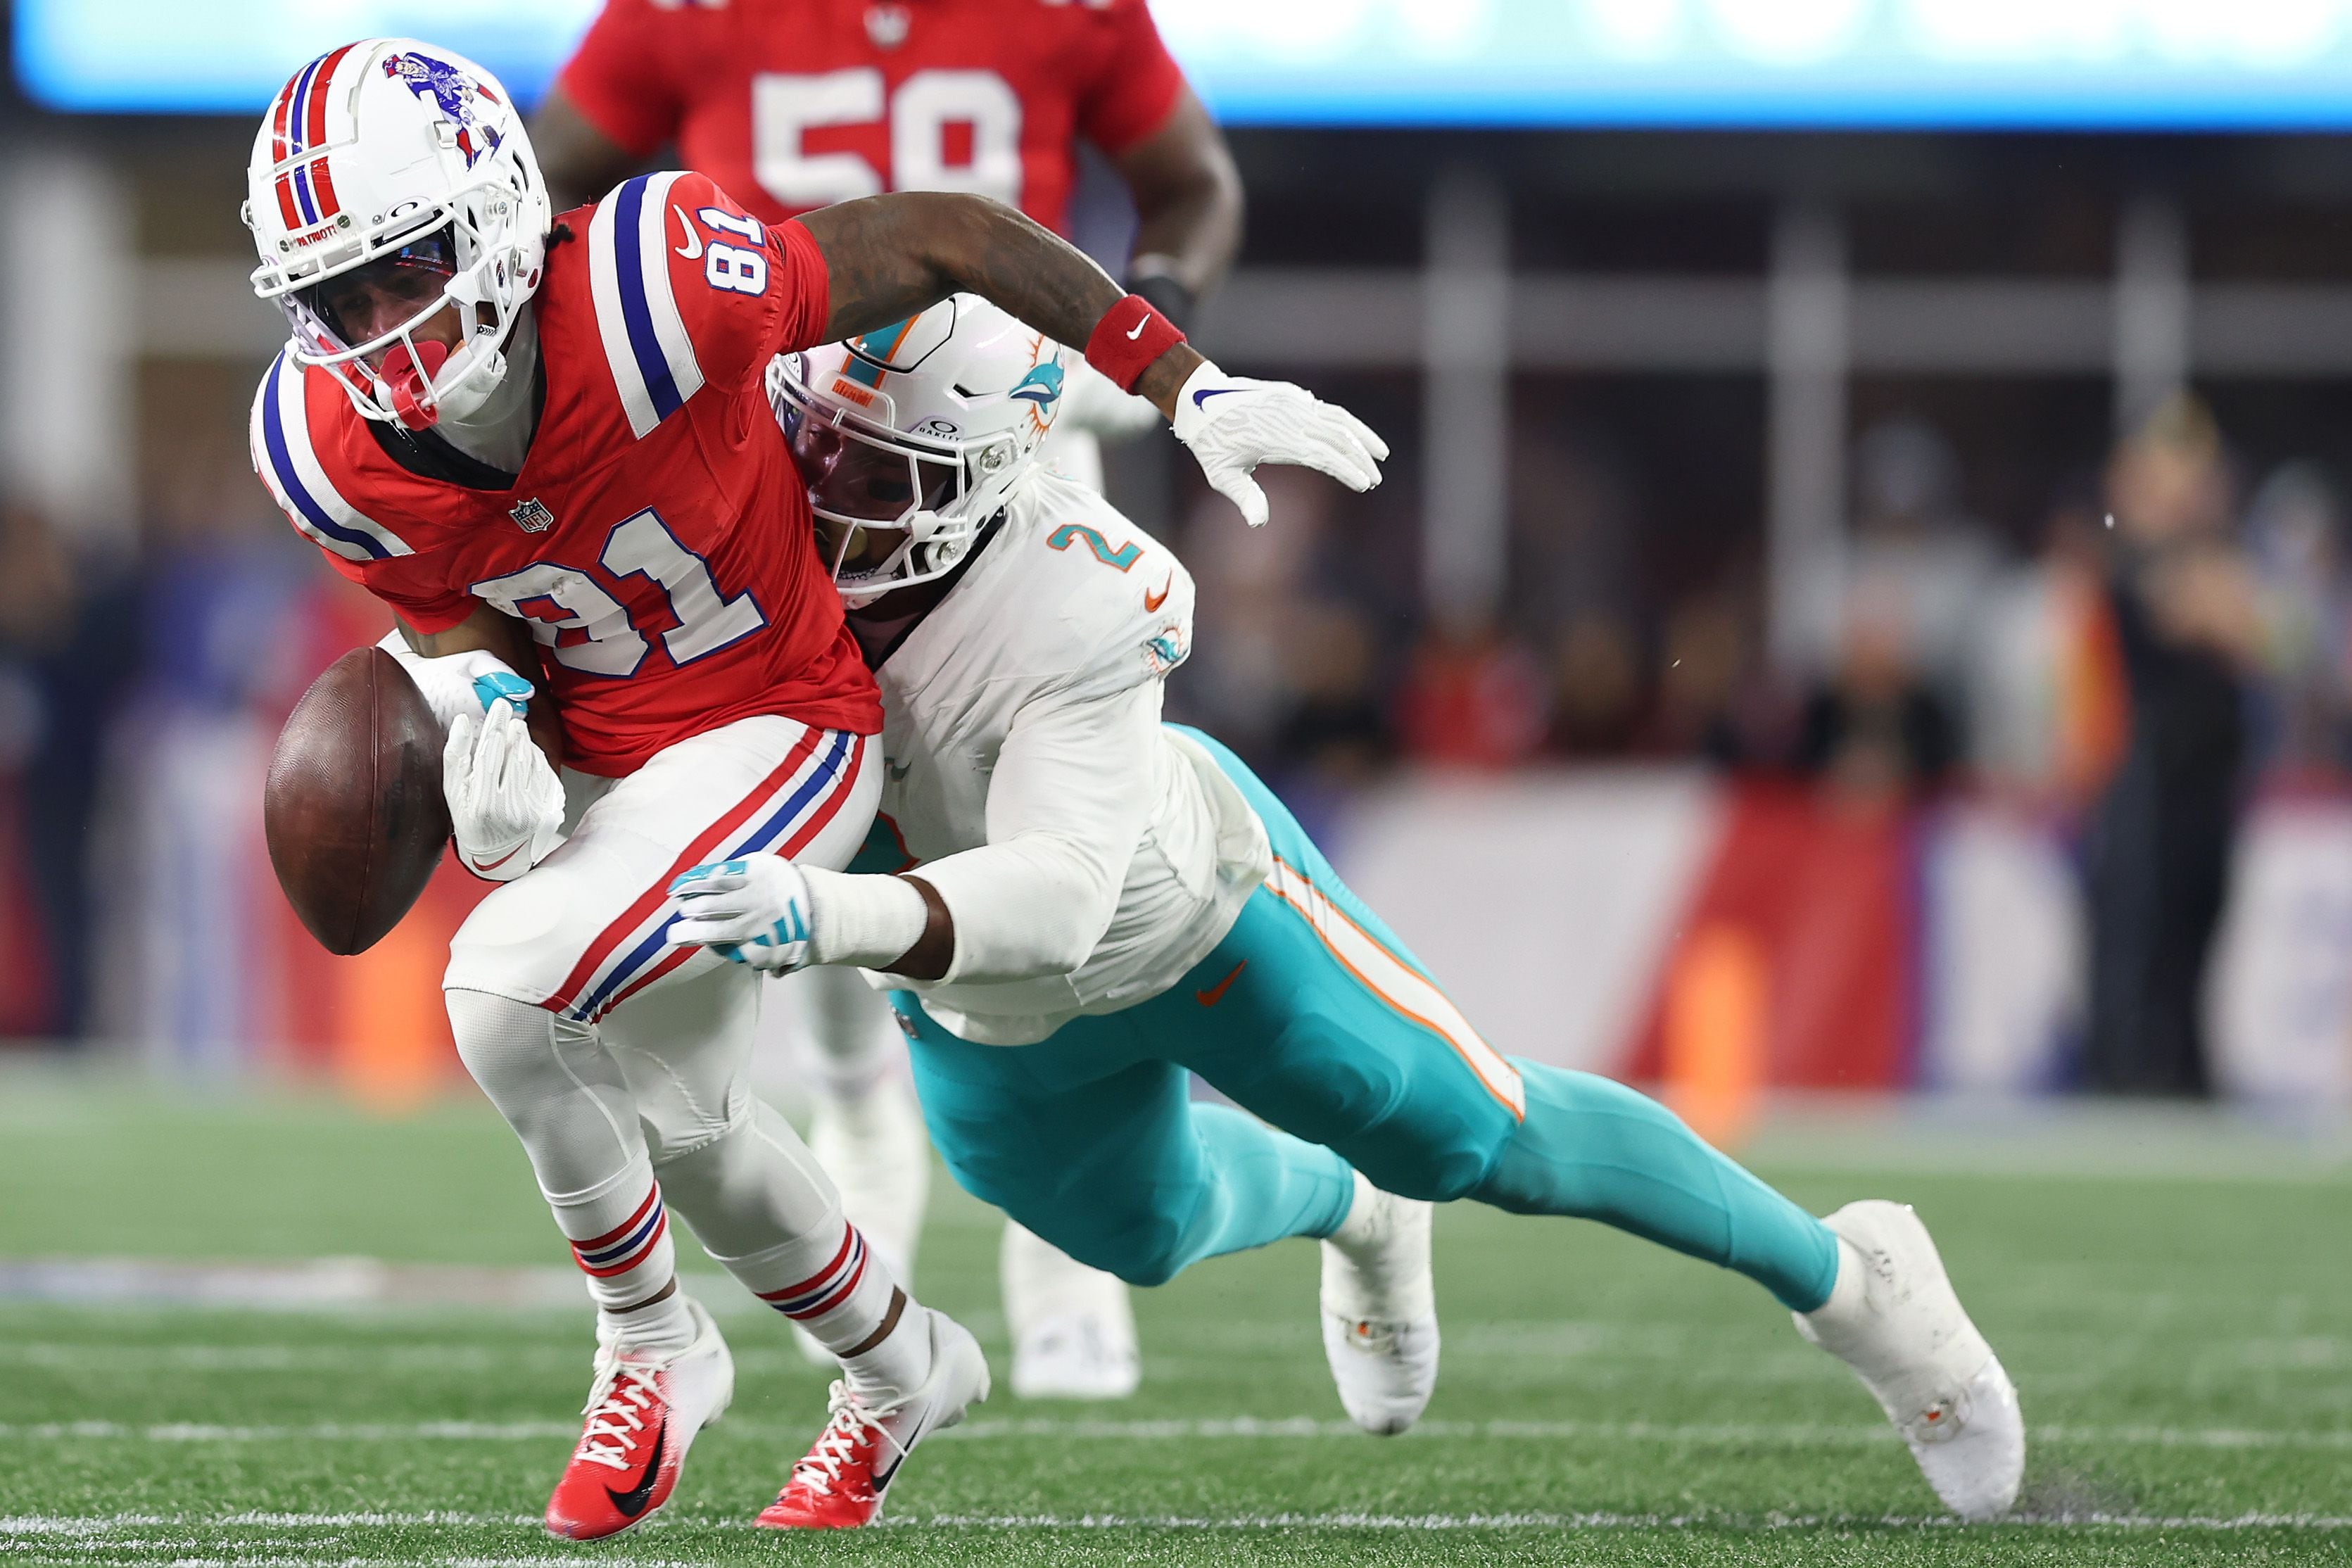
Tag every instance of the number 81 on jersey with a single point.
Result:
(610, 645)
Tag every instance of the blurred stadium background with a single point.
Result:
(1862, 604)
(1741, 613)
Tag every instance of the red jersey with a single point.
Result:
(797, 104)
(658, 540)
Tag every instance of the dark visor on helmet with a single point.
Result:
(860, 479)
(369, 301)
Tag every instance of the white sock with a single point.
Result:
(1381, 1271)
(665, 1328)
(890, 1372)
(838, 1289)
(1849, 1292)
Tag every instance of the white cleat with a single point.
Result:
(1073, 1327)
(1380, 1311)
(1077, 1355)
(1894, 1317)
(873, 1147)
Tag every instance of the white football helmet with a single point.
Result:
(395, 170)
(911, 438)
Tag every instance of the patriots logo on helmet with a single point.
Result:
(1041, 385)
(454, 93)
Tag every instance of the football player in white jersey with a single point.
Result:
(1074, 903)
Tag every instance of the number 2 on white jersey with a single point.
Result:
(612, 645)
(785, 107)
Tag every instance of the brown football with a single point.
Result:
(353, 811)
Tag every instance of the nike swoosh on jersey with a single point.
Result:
(632, 1502)
(1152, 601)
(1216, 994)
(1206, 392)
(692, 249)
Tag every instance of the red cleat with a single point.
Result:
(839, 1485)
(643, 1414)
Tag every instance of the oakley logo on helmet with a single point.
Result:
(1041, 385)
(453, 92)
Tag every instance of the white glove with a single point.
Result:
(456, 684)
(764, 910)
(753, 911)
(1092, 401)
(1233, 423)
(505, 801)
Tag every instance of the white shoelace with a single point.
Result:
(615, 1412)
(845, 1419)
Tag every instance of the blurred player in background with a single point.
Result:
(796, 104)
(1081, 904)
(546, 444)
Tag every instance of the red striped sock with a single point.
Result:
(834, 1286)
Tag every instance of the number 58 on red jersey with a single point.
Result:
(795, 104)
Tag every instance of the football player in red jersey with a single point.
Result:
(795, 104)
(546, 444)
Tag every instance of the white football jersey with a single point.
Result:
(1090, 855)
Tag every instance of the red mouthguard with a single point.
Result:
(410, 376)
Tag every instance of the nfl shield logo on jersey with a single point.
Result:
(887, 25)
(532, 518)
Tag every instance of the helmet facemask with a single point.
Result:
(396, 375)
(892, 510)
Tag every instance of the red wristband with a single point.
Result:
(1131, 335)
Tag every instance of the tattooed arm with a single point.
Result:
(890, 257)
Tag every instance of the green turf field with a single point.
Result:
(2183, 1337)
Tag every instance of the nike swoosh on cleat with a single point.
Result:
(1152, 601)
(882, 1477)
(1206, 392)
(632, 1502)
(692, 249)
(1216, 994)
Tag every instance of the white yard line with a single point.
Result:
(1302, 1428)
(164, 1529)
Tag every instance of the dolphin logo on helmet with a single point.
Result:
(1041, 385)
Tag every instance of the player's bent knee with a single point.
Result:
(1438, 1163)
(1437, 1177)
(1140, 1247)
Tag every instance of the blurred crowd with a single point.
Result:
(2177, 630)
(2174, 633)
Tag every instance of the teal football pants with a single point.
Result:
(1312, 1016)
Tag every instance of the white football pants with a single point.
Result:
(623, 1062)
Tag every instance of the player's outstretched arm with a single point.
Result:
(1064, 820)
(888, 258)
(577, 161)
(1188, 208)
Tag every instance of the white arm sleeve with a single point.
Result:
(1067, 805)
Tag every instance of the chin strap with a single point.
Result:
(410, 378)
